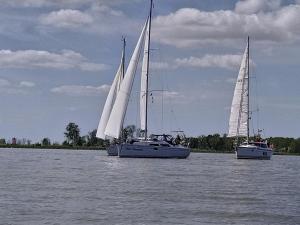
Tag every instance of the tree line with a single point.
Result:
(222, 143)
(209, 143)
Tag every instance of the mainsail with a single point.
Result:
(110, 99)
(116, 119)
(144, 78)
(238, 122)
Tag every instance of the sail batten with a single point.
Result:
(116, 119)
(238, 122)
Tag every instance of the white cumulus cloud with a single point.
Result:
(80, 90)
(231, 62)
(215, 61)
(60, 3)
(159, 65)
(255, 6)
(27, 84)
(66, 18)
(190, 27)
(9, 87)
(66, 59)
(40, 3)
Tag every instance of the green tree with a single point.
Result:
(193, 142)
(228, 143)
(72, 134)
(203, 142)
(46, 142)
(92, 140)
(2, 141)
(295, 146)
(82, 141)
(213, 141)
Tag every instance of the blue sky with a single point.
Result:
(59, 57)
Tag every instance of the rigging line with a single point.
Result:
(160, 56)
(137, 109)
(257, 100)
(162, 111)
(160, 75)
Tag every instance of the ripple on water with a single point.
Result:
(87, 187)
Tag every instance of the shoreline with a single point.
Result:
(97, 148)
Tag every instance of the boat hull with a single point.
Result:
(253, 152)
(112, 150)
(148, 151)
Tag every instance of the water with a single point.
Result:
(87, 187)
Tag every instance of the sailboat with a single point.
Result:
(149, 146)
(115, 87)
(240, 116)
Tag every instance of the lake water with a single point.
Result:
(87, 187)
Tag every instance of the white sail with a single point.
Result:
(143, 94)
(238, 122)
(116, 119)
(110, 100)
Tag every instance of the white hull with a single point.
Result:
(253, 152)
(152, 150)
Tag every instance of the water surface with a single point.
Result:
(87, 187)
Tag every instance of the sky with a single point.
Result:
(58, 59)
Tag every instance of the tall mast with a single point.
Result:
(248, 84)
(122, 77)
(123, 57)
(147, 73)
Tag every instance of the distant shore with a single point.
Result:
(54, 147)
(98, 148)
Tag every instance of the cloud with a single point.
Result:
(215, 61)
(255, 6)
(159, 65)
(97, 18)
(190, 27)
(93, 67)
(172, 95)
(231, 62)
(66, 18)
(59, 3)
(27, 84)
(8, 87)
(108, 20)
(4, 83)
(39, 3)
(66, 59)
(79, 90)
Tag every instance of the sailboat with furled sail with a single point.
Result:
(150, 146)
(240, 116)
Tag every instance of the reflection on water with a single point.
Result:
(87, 187)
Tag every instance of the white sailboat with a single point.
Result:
(154, 146)
(115, 87)
(240, 115)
